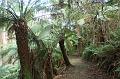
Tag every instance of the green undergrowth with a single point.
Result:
(107, 55)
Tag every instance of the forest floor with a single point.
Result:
(82, 70)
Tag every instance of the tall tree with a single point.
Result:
(31, 66)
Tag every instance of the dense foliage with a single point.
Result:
(89, 29)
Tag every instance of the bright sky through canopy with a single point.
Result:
(42, 1)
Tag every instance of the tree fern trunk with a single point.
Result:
(31, 62)
(23, 49)
(62, 47)
(48, 65)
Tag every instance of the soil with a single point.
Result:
(82, 70)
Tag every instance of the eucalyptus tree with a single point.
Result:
(18, 13)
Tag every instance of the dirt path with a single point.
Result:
(82, 70)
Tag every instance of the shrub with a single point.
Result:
(88, 52)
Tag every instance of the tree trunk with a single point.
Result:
(30, 63)
(23, 49)
(48, 66)
(80, 47)
(101, 35)
(62, 47)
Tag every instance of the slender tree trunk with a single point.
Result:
(101, 35)
(37, 58)
(48, 66)
(23, 49)
(80, 46)
(62, 47)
